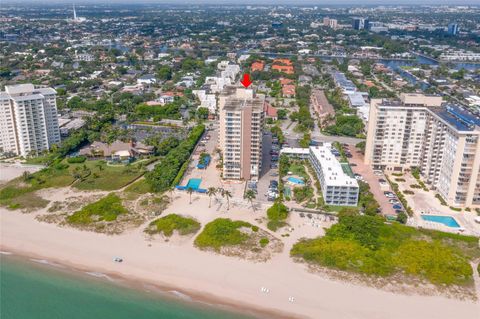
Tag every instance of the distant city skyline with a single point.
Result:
(259, 2)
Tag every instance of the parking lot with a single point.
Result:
(366, 171)
(268, 173)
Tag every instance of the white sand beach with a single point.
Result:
(180, 266)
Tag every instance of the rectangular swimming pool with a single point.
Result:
(295, 180)
(445, 220)
(194, 183)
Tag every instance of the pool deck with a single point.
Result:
(423, 202)
(210, 176)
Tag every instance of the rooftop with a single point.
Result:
(356, 99)
(460, 119)
(332, 169)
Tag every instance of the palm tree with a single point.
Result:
(26, 176)
(211, 191)
(190, 192)
(221, 191)
(171, 189)
(227, 195)
(250, 196)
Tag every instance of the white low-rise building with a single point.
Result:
(208, 101)
(338, 186)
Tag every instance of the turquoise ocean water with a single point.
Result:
(30, 290)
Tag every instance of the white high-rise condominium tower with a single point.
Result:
(421, 131)
(241, 127)
(28, 120)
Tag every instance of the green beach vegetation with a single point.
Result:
(366, 245)
(222, 232)
(106, 209)
(237, 238)
(277, 214)
(173, 222)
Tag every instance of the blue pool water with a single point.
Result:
(295, 180)
(446, 220)
(194, 183)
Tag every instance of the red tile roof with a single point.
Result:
(257, 66)
(269, 110)
(288, 90)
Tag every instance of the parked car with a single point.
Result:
(378, 173)
(252, 184)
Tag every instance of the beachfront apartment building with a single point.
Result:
(241, 119)
(339, 187)
(443, 141)
(28, 120)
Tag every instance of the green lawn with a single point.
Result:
(173, 222)
(107, 208)
(90, 175)
(17, 193)
(366, 245)
(299, 170)
(139, 187)
(108, 177)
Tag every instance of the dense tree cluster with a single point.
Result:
(165, 172)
